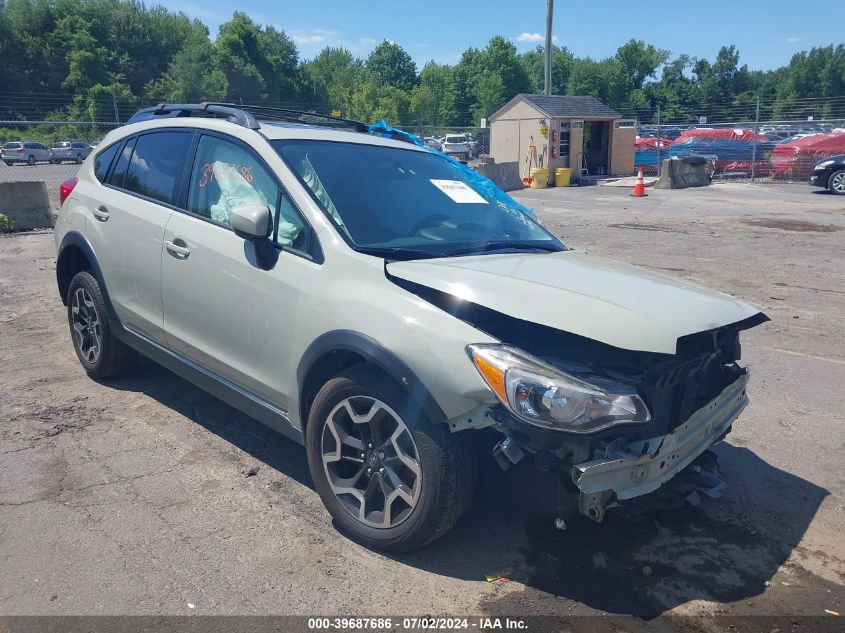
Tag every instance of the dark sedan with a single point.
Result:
(830, 174)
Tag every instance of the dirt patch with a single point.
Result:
(646, 227)
(40, 421)
(801, 226)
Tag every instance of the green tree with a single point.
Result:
(433, 98)
(260, 64)
(86, 61)
(332, 77)
(499, 58)
(640, 61)
(606, 80)
(533, 62)
(191, 75)
(390, 65)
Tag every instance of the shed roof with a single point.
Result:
(566, 106)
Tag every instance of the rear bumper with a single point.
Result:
(641, 467)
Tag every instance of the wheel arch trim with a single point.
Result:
(77, 240)
(373, 353)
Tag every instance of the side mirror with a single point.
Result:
(250, 221)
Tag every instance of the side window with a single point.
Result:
(118, 175)
(226, 175)
(103, 160)
(156, 164)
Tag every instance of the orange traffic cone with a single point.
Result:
(639, 188)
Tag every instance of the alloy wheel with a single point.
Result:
(87, 328)
(837, 183)
(371, 461)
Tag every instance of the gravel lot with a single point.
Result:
(129, 497)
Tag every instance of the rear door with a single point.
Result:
(221, 309)
(126, 224)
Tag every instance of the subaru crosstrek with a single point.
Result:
(380, 303)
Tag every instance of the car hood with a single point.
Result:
(601, 299)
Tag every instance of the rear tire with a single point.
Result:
(100, 352)
(836, 182)
(31, 160)
(402, 511)
(79, 159)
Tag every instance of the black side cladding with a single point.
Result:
(673, 385)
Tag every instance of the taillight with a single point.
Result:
(66, 188)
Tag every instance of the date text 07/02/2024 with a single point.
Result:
(417, 623)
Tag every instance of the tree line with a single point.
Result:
(121, 51)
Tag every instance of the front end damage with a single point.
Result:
(632, 471)
(693, 396)
(621, 470)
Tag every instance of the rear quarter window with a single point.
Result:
(103, 161)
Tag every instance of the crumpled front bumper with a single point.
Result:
(641, 467)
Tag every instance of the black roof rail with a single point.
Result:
(230, 111)
(296, 116)
(244, 115)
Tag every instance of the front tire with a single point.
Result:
(390, 478)
(30, 161)
(101, 354)
(836, 183)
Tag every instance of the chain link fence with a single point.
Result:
(751, 141)
(783, 151)
(769, 140)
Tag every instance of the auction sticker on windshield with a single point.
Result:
(458, 191)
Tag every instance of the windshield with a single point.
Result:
(456, 139)
(407, 204)
(58, 145)
(11, 146)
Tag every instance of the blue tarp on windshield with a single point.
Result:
(383, 129)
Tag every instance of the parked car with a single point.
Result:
(29, 152)
(830, 174)
(369, 299)
(432, 142)
(75, 151)
(457, 146)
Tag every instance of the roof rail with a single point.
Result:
(296, 116)
(247, 115)
(167, 110)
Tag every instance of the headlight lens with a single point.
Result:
(544, 396)
(824, 164)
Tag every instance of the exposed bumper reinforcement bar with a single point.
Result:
(641, 467)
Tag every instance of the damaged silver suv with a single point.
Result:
(379, 303)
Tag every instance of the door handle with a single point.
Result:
(178, 247)
(101, 213)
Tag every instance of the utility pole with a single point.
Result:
(114, 105)
(659, 162)
(550, 6)
(754, 147)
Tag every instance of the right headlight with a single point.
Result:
(824, 164)
(544, 396)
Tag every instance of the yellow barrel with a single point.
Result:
(539, 177)
(562, 175)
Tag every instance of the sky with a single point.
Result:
(766, 33)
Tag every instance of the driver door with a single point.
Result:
(221, 310)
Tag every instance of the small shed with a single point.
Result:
(563, 131)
